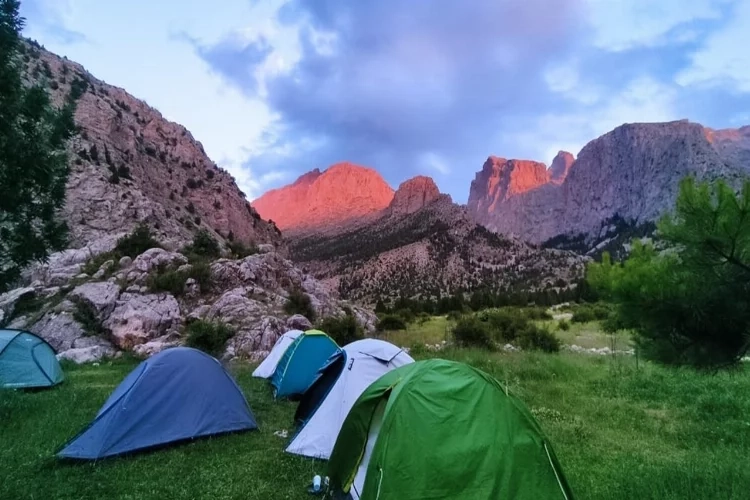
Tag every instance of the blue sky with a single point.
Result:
(276, 88)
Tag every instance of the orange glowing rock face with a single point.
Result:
(341, 193)
(501, 179)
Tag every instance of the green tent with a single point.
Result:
(27, 361)
(440, 429)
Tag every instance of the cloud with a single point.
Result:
(51, 18)
(397, 85)
(621, 25)
(724, 59)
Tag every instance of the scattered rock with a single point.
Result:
(156, 346)
(125, 262)
(266, 248)
(261, 336)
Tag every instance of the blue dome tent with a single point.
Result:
(180, 393)
(27, 361)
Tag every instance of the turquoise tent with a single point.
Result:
(27, 361)
(299, 365)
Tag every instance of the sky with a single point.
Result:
(275, 88)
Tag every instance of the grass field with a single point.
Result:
(619, 432)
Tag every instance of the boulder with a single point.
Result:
(156, 346)
(90, 354)
(156, 257)
(59, 329)
(61, 267)
(125, 262)
(235, 308)
(266, 248)
(101, 297)
(140, 318)
(261, 336)
(298, 322)
(9, 299)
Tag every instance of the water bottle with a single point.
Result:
(316, 483)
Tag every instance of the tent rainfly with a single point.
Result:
(27, 361)
(179, 394)
(443, 430)
(340, 381)
(300, 362)
(268, 366)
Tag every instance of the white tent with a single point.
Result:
(268, 366)
(340, 382)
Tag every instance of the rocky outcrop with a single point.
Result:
(344, 192)
(413, 195)
(129, 164)
(626, 178)
(501, 179)
(98, 317)
(558, 170)
(435, 251)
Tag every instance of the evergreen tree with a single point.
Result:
(33, 160)
(691, 303)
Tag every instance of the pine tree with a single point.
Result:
(33, 160)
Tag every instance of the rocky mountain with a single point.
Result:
(413, 195)
(560, 167)
(427, 251)
(341, 194)
(619, 184)
(129, 164)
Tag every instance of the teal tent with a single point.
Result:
(27, 361)
(299, 365)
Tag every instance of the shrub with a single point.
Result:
(405, 314)
(505, 324)
(240, 250)
(137, 242)
(124, 172)
(391, 322)
(87, 317)
(471, 332)
(343, 330)
(166, 280)
(201, 273)
(585, 313)
(538, 313)
(208, 337)
(191, 183)
(537, 338)
(204, 245)
(299, 303)
(564, 325)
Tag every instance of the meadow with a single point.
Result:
(620, 430)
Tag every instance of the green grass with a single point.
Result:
(619, 431)
(432, 331)
(588, 335)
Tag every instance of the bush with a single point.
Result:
(563, 325)
(240, 250)
(209, 337)
(471, 332)
(87, 317)
(537, 338)
(391, 322)
(201, 273)
(505, 324)
(164, 280)
(137, 242)
(537, 313)
(343, 330)
(585, 313)
(405, 314)
(204, 245)
(299, 303)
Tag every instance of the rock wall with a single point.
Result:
(631, 174)
(130, 164)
